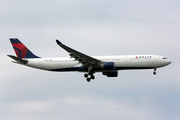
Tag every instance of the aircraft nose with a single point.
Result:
(168, 62)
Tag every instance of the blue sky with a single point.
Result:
(94, 27)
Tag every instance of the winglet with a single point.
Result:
(58, 42)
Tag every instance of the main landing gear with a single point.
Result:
(154, 71)
(91, 74)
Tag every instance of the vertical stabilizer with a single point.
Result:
(21, 50)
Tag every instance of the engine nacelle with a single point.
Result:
(108, 66)
(111, 73)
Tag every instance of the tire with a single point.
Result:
(88, 79)
(154, 73)
(85, 75)
(93, 77)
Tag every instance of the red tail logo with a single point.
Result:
(21, 50)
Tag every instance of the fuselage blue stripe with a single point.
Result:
(82, 69)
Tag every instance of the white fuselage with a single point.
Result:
(121, 63)
(78, 61)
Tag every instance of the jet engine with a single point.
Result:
(108, 65)
(111, 73)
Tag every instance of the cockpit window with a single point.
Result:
(164, 58)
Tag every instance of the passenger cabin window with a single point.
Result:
(164, 58)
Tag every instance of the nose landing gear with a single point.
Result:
(154, 71)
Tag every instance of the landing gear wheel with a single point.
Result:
(88, 79)
(90, 74)
(85, 75)
(93, 77)
(154, 73)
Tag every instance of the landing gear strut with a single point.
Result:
(154, 71)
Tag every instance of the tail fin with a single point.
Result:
(21, 50)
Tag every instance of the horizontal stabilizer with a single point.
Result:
(19, 60)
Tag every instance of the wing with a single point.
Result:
(82, 58)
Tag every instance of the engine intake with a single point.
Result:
(108, 66)
(111, 73)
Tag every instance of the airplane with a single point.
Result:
(80, 62)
